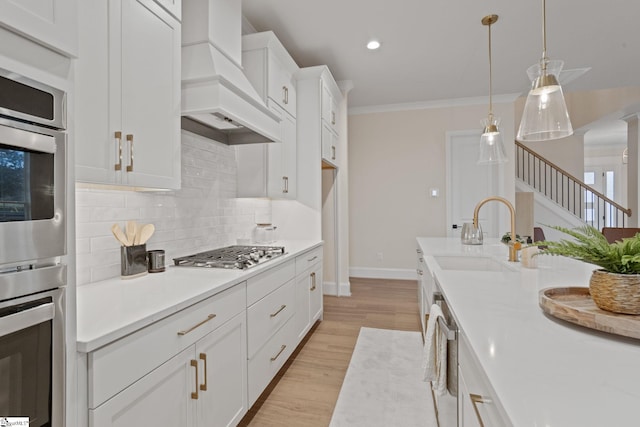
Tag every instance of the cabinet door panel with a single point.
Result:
(224, 402)
(163, 397)
(52, 23)
(150, 93)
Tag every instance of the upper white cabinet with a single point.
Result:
(128, 94)
(51, 23)
(270, 170)
(270, 69)
(319, 100)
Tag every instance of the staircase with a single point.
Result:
(572, 194)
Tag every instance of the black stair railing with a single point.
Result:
(578, 198)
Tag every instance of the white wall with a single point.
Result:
(203, 215)
(395, 157)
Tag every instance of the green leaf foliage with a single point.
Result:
(589, 245)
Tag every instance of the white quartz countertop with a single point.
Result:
(545, 372)
(111, 309)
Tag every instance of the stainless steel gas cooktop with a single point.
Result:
(240, 257)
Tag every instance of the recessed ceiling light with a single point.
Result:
(373, 45)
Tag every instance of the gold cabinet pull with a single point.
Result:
(279, 310)
(203, 357)
(420, 272)
(130, 141)
(313, 281)
(118, 137)
(185, 332)
(279, 353)
(285, 184)
(285, 95)
(333, 152)
(194, 394)
(313, 259)
(475, 399)
(333, 117)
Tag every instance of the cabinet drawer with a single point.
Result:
(478, 400)
(268, 281)
(268, 361)
(308, 260)
(115, 366)
(269, 314)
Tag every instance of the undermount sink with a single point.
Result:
(470, 263)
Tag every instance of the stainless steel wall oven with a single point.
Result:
(33, 182)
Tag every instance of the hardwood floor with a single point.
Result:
(305, 390)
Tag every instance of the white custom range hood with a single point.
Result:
(218, 101)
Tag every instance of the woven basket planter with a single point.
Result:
(619, 293)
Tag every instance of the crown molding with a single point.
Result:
(443, 103)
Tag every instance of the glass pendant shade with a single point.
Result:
(545, 114)
(491, 146)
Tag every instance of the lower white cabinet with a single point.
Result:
(478, 405)
(309, 293)
(188, 369)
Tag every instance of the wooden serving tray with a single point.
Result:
(576, 306)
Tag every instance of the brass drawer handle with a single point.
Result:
(279, 353)
(285, 95)
(333, 152)
(203, 357)
(313, 259)
(118, 137)
(194, 394)
(130, 139)
(475, 399)
(279, 310)
(313, 281)
(209, 317)
(285, 181)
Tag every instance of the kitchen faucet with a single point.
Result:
(514, 246)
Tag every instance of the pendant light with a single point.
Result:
(545, 114)
(491, 147)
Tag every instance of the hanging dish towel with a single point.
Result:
(434, 360)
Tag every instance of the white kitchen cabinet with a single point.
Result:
(204, 385)
(425, 289)
(51, 23)
(187, 369)
(318, 101)
(163, 397)
(128, 94)
(309, 307)
(329, 145)
(270, 330)
(478, 404)
(270, 69)
(270, 170)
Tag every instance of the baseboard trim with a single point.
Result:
(330, 288)
(383, 273)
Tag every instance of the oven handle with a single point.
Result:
(27, 318)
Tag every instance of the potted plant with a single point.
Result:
(616, 285)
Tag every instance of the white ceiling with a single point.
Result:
(438, 49)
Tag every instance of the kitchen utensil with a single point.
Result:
(264, 233)
(119, 235)
(138, 230)
(130, 231)
(146, 232)
(471, 235)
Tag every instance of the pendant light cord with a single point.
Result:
(490, 80)
(544, 36)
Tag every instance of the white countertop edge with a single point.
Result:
(90, 340)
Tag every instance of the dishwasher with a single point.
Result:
(447, 405)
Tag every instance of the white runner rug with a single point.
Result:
(383, 386)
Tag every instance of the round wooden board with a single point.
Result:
(575, 305)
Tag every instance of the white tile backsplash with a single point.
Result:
(204, 214)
